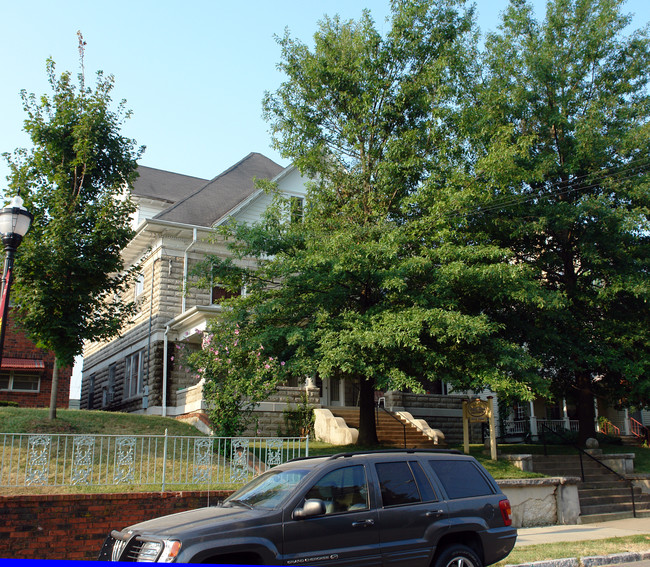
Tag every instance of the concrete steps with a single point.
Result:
(632, 440)
(391, 430)
(603, 495)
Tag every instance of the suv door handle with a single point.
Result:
(363, 523)
(434, 513)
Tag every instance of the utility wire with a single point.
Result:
(630, 170)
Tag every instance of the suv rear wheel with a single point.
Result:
(458, 556)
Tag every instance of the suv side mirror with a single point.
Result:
(312, 507)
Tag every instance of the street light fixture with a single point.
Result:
(15, 221)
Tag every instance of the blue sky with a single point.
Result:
(193, 72)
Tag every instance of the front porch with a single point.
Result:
(528, 420)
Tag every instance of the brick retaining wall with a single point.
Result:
(73, 526)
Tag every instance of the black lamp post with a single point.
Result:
(15, 221)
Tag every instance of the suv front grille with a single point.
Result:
(135, 545)
(118, 548)
(122, 549)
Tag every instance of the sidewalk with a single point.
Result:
(580, 532)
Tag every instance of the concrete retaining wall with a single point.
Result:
(542, 501)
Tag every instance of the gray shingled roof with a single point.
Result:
(165, 185)
(223, 193)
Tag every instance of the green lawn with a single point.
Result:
(30, 420)
(568, 549)
(27, 420)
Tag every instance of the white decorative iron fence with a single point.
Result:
(140, 460)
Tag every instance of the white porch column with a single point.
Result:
(533, 421)
(626, 428)
(596, 414)
(565, 416)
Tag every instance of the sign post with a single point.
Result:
(479, 411)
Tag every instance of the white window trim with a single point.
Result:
(10, 387)
(128, 379)
(139, 285)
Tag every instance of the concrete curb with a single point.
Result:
(616, 558)
(565, 562)
(595, 561)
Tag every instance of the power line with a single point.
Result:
(619, 174)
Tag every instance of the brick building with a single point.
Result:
(26, 371)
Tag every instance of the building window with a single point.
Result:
(139, 285)
(554, 412)
(111, 383)
(18, 382)
(220, 293)
(133, 365)
(91, 391)
(296, 209)
(521, 410)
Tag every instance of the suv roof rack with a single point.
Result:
(377, 452)
(395, 451)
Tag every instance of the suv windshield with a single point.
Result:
(268, 490)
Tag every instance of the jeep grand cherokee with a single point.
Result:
(415, 508)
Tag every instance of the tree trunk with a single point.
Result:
(55, 387)
(585, 410)
(367, 426)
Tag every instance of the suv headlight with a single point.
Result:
(162, 551)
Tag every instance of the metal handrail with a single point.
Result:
(581, 452)
(639, 430)
(377, 408)
(608, 426)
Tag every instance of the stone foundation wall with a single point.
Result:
(269, 417)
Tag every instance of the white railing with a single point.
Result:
(560, 425)
(523, 426)
(517, 427)
(140, 460)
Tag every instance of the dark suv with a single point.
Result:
(404, 507)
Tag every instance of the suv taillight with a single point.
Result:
(506, 512)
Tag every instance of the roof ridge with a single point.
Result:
(235, 165)
(172, 172)
(213, 180)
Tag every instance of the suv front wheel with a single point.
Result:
(458, 556)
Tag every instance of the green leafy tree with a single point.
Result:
(236, 377)
(357, 290)
(350, 303)
(561, 151)
(75, 180)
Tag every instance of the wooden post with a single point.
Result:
(465, 428)
(493, 431)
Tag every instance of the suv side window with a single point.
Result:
(342, 490)
(398, 486)
(461, 479)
